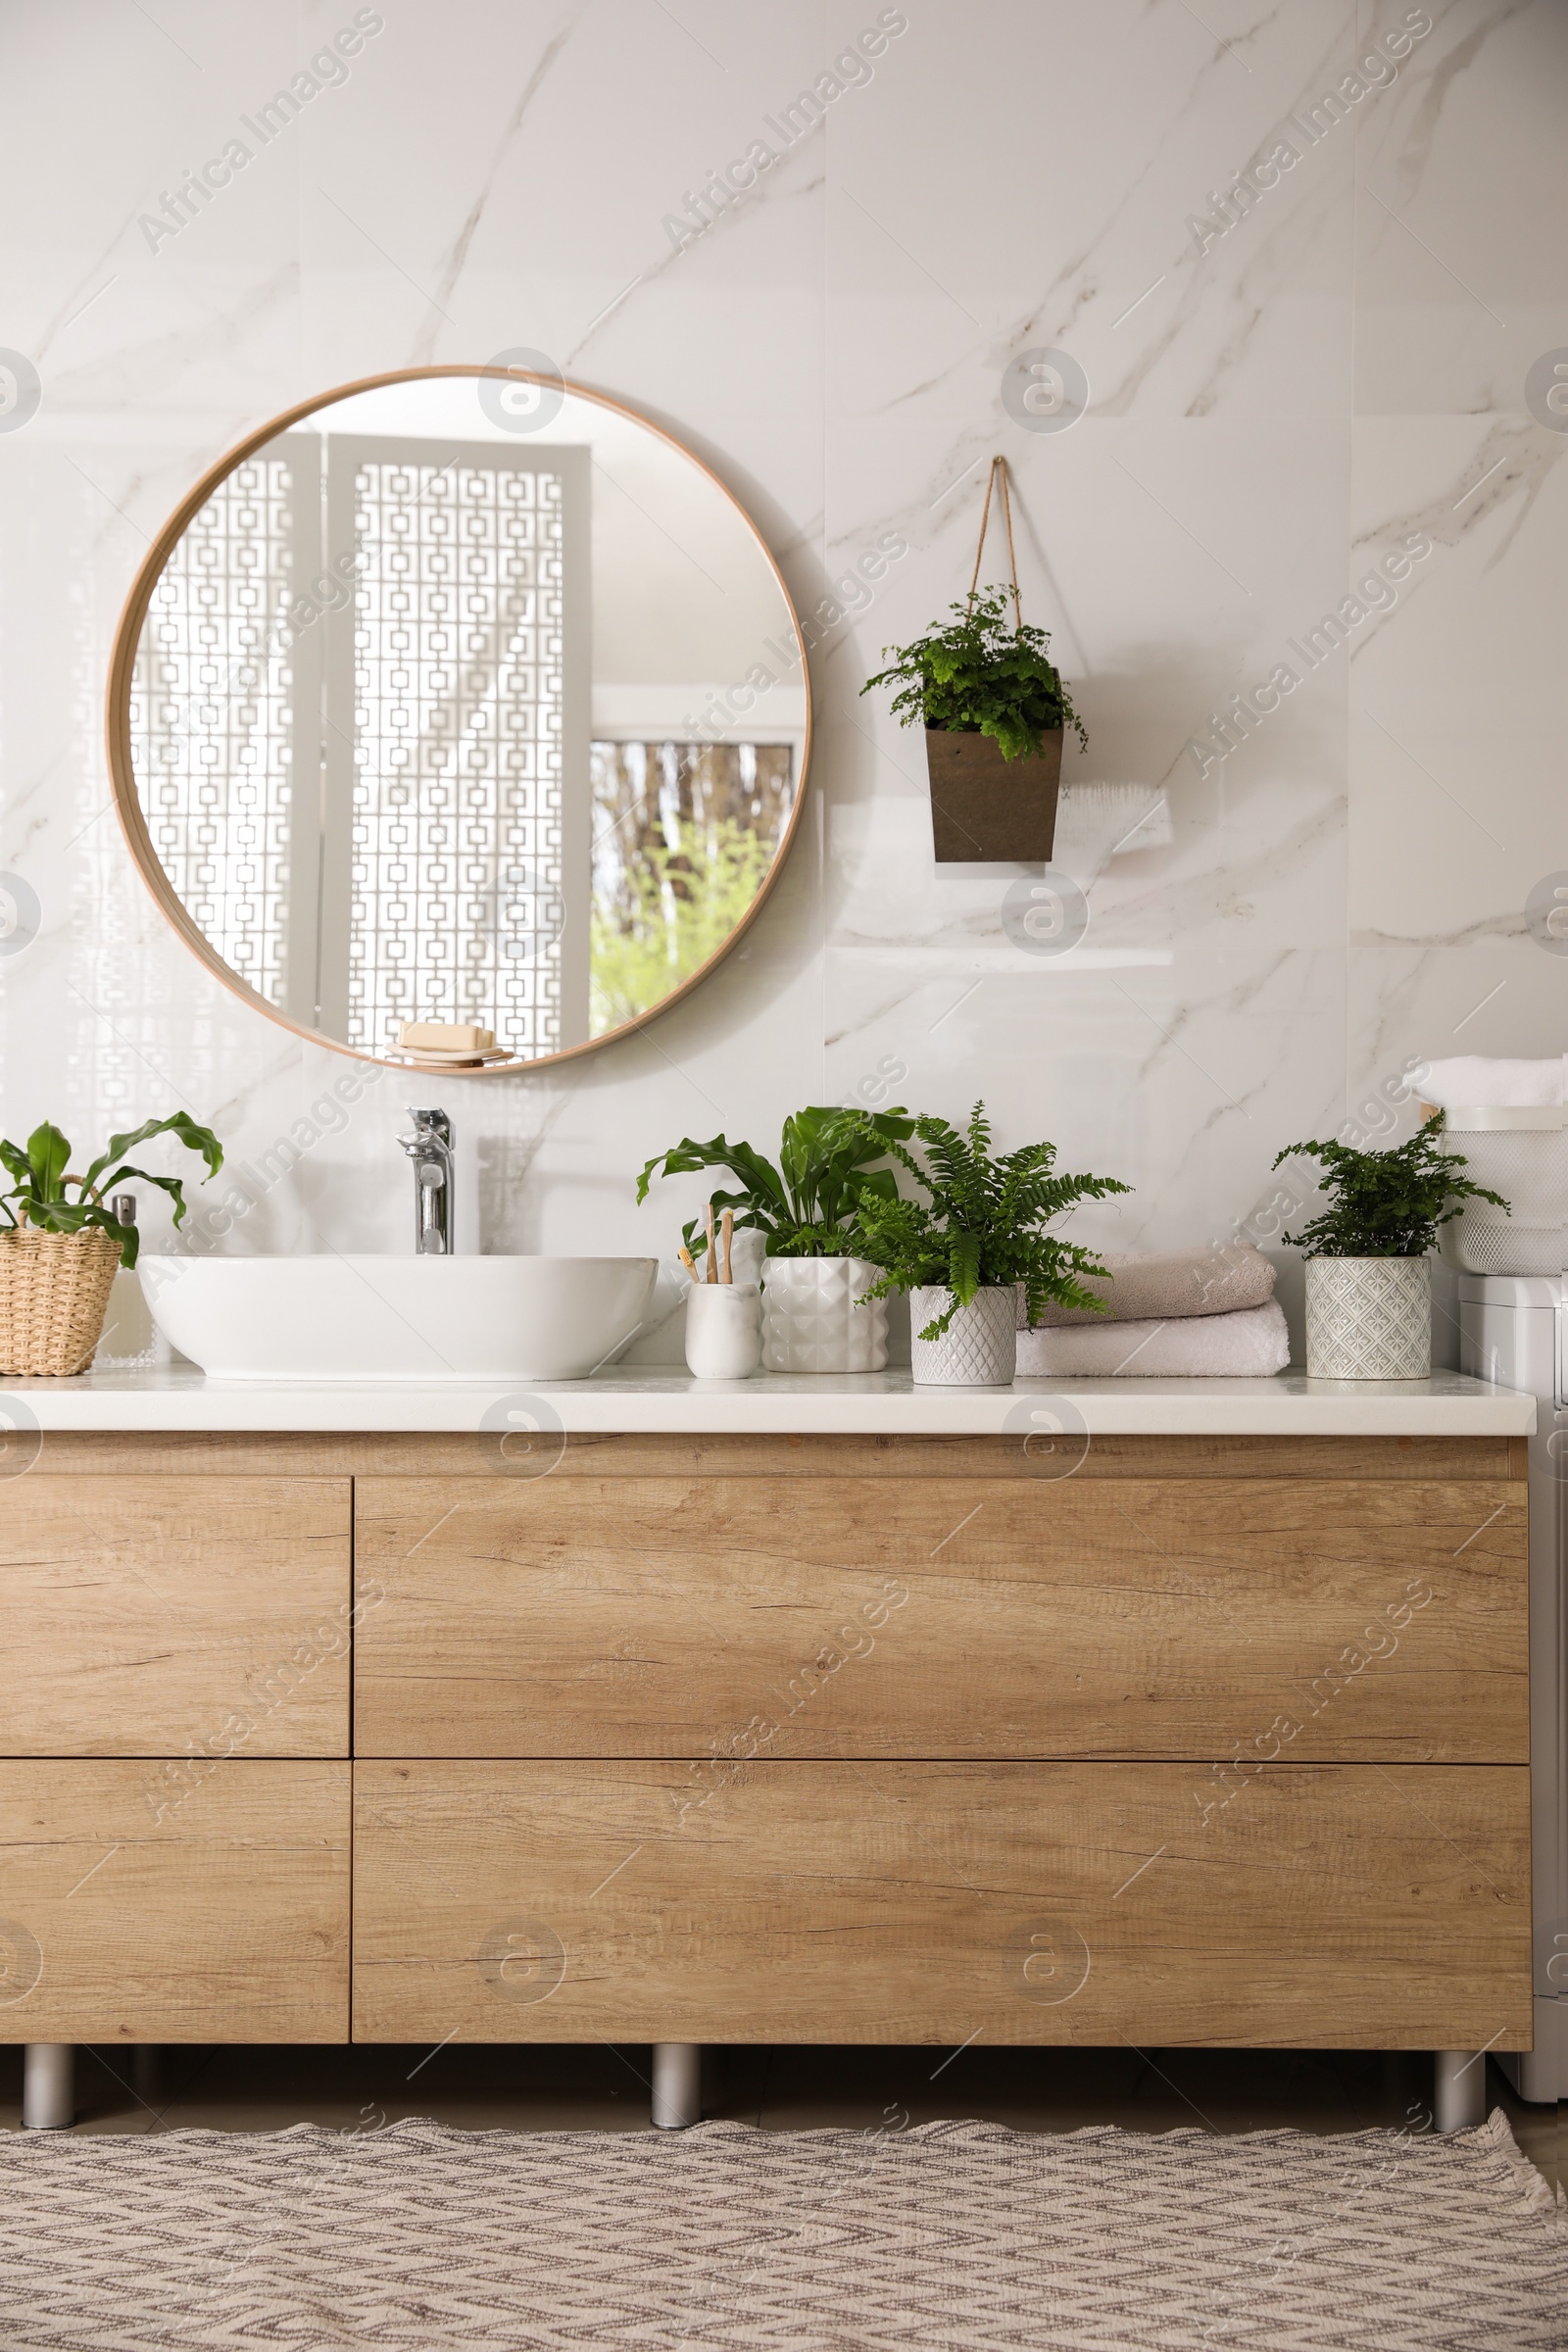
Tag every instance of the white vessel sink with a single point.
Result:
(398, 1318)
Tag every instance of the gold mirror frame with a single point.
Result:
(127, 639)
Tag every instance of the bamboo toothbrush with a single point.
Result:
(711, 1274)
(729, 1236)
(688, 1261)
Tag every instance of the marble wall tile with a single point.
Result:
(1280, 393)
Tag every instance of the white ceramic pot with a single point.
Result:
(979, 1349)
(723, 1330)
(1368, 1318)
(811, 1322)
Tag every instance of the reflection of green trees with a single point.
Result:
(670, 911)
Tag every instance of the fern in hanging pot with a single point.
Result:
(65, 1245)
(995, 710)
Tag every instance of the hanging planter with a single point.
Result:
(995, 709)
(985, 805)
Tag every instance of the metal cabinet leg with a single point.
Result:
(1460, 2101)
(677, 2085)
(48, 2085)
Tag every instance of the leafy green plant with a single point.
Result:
(1386, 1203)
(982, 676)
(984, 1223)
(41, 1193)
(805, 1206)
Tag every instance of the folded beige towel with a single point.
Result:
(1248, 1345)
(1158, 1283)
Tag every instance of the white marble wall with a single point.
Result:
(1340, 369)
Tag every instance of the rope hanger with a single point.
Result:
(999, 465)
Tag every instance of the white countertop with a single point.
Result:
(881, 1403)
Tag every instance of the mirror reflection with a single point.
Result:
(468, 701)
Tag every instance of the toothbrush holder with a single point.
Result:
(723, 1330)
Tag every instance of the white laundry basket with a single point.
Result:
(1523, 1154)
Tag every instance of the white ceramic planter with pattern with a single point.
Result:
(810, 1321)
(1368, 1318)
(979, 1349)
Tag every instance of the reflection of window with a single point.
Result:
(683, 834)
(360, 728)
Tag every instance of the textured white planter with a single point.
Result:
(1368, 1318)
(811, 1322)
(979, 1349)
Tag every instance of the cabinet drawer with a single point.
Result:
(1329, 1905)
(1385, 1619)
(226, 1919)
(146, 1615)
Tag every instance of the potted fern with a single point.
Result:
(65, 1244)
(977, 1241)
(995, 708)
(1368, 1274)
(814, 1317)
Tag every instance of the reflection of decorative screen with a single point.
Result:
(457, 710)
(210, 715)
(367, 778)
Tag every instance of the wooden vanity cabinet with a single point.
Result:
(174, 1776)
(828, 1738)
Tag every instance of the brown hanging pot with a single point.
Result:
(985, 808)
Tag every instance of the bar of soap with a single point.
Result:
(446, 1037)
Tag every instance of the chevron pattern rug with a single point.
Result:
(966, 2235)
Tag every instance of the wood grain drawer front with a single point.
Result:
(145, 1615)
(942, 1617)
(226, 1921)
(1332, 1905)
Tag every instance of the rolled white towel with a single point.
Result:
(1482, 1082)
(1249, 1344)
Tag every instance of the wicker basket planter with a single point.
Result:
(54, 1290)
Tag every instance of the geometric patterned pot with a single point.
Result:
(979, 1349)
(811, 1322)
(1368, 1318)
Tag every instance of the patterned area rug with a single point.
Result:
(950, 2236)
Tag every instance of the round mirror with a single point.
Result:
(459, 717)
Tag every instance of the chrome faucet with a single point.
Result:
(431, 1149)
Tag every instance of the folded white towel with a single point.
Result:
(1149, 1285)
(1251, 1344)
(1479, 1082)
